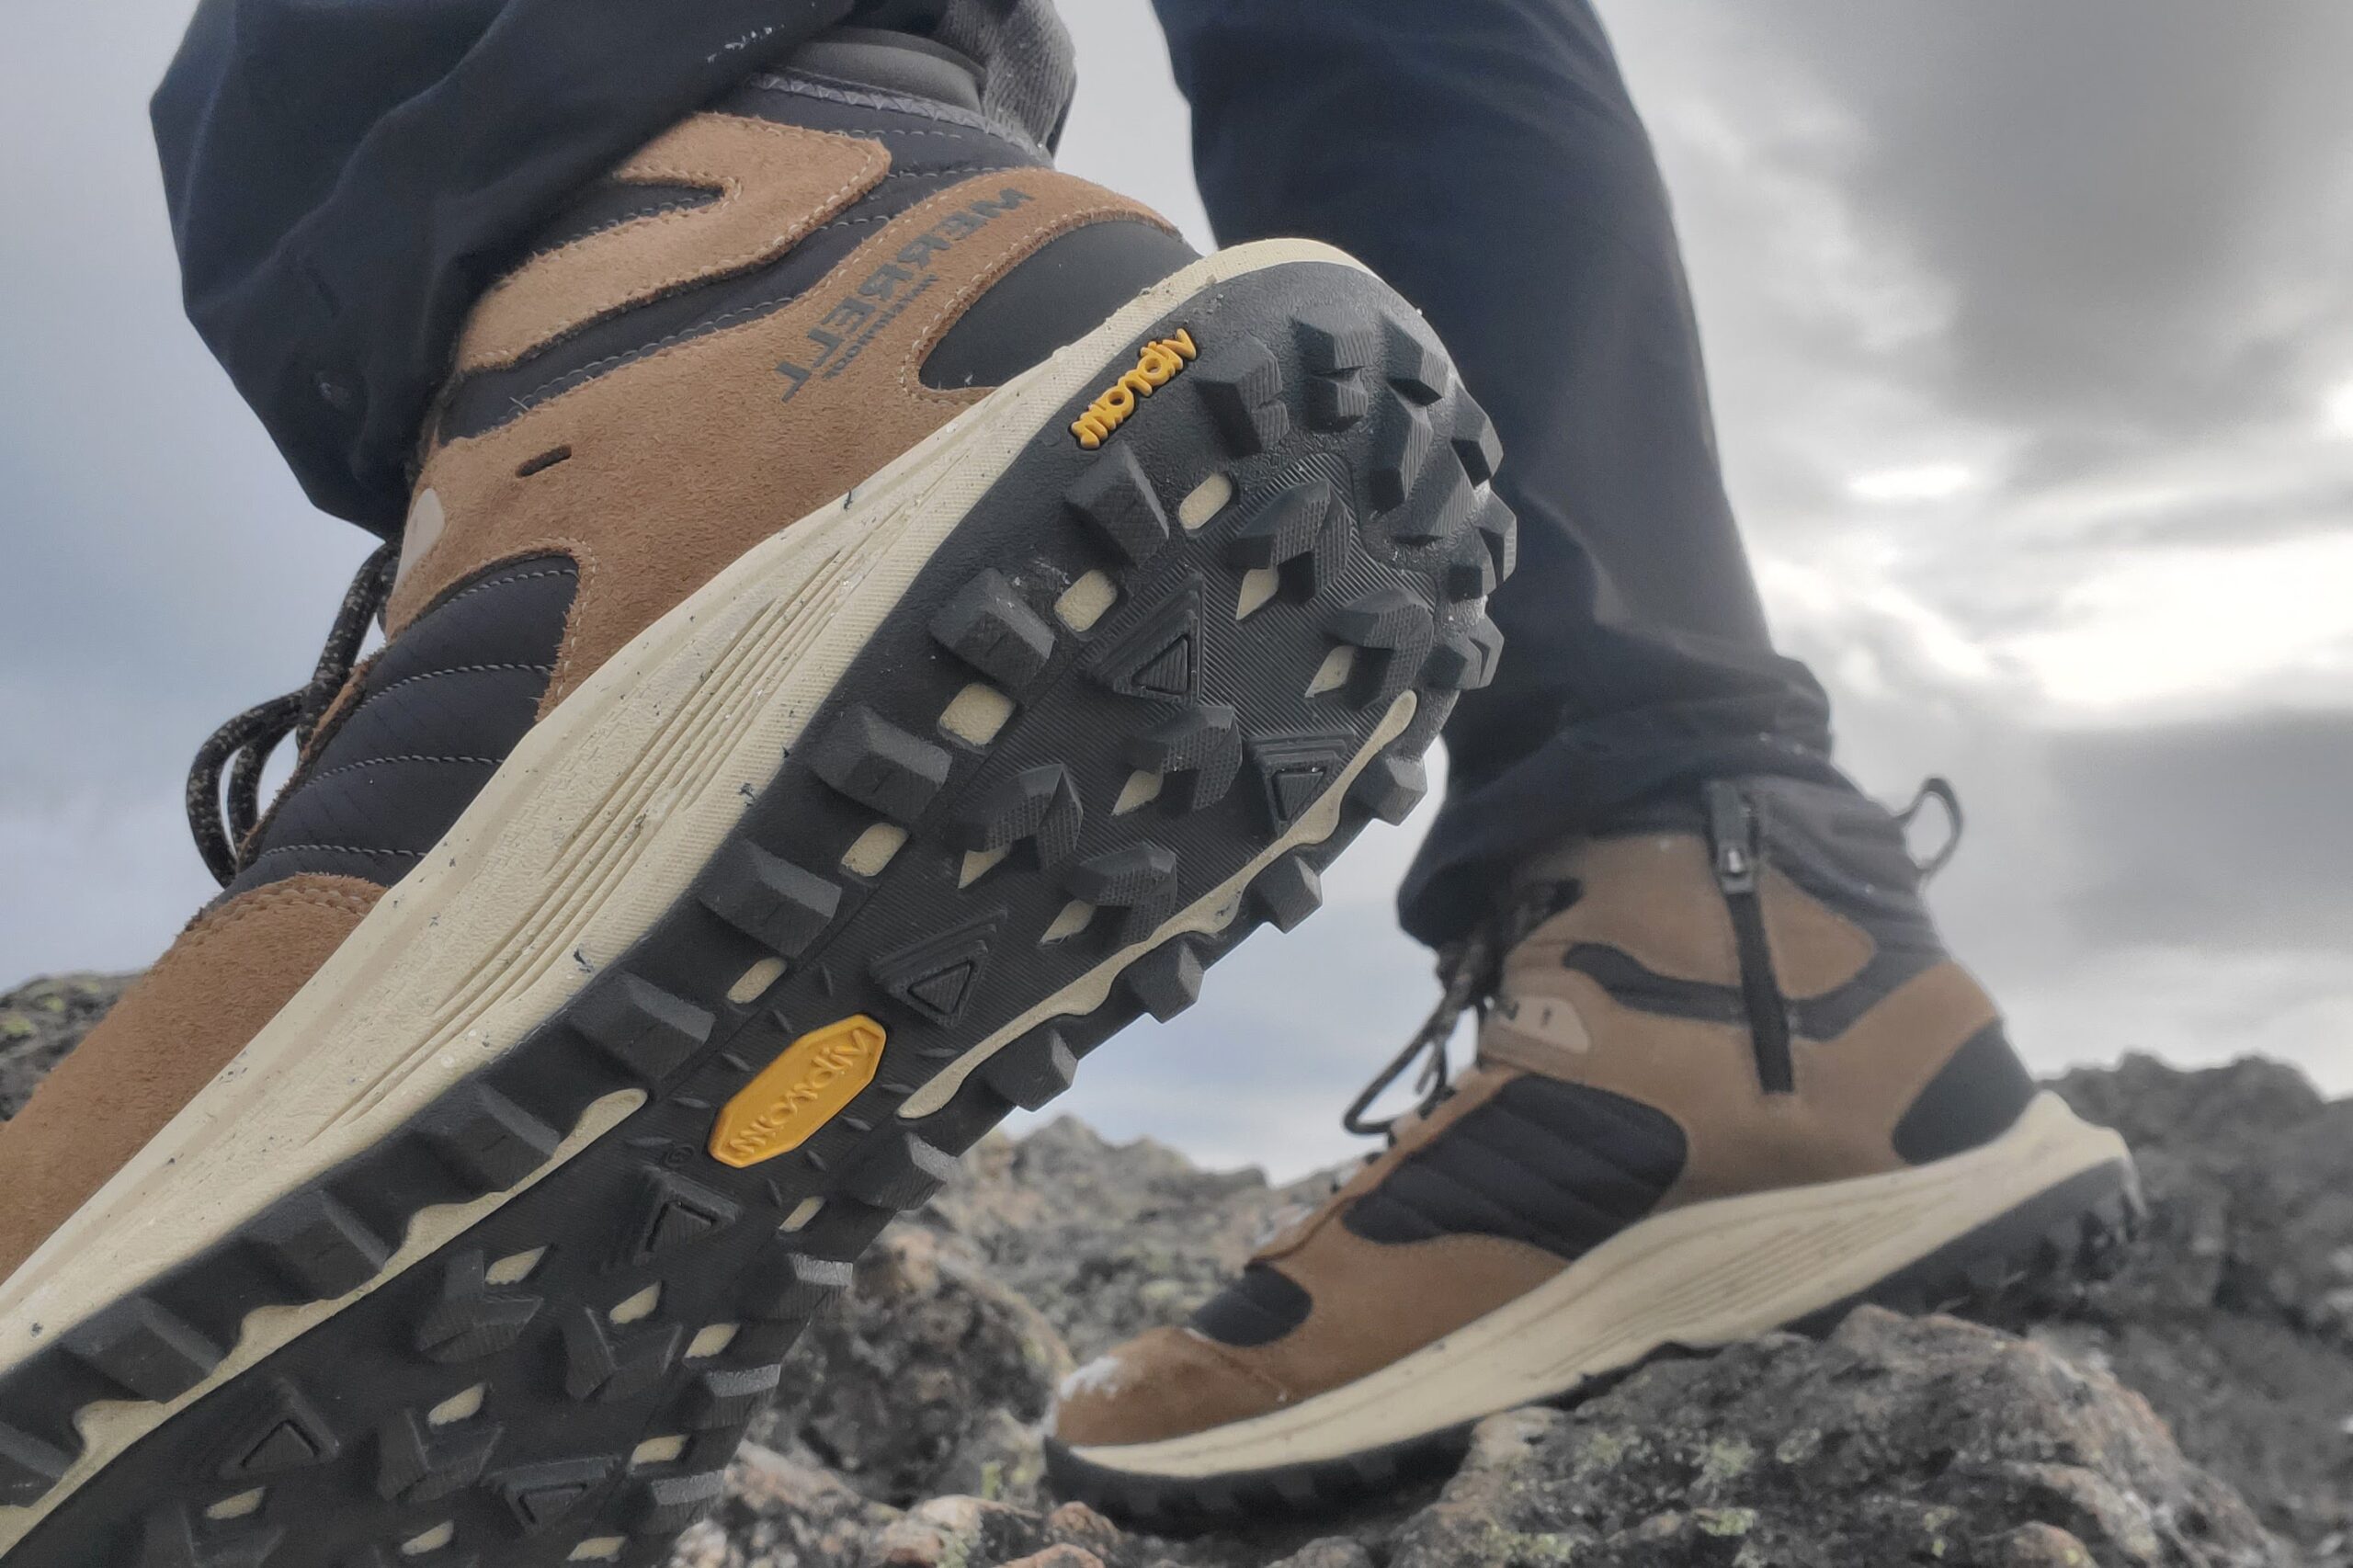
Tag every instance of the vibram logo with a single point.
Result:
(1156, 366)
(798, 1092)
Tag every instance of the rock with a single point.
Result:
(43, 1020)
(1154, 1237)
(927, 1377)
(969, 1532)
(912, 1441)
(2231, 1316)
(784, 1513)
(1895, 1440)
(1332, 1551)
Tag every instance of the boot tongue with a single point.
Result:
(894, 62)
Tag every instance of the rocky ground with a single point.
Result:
(2195, 1412)
(41, 1021)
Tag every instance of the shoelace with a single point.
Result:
(1471, 970)
(244, 744)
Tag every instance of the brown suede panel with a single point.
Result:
(1169, 1382)
(1655, 899)
(175, 1029)
(1377, 1302)
(1851, 1091)
(1412, 1133)
(683, 460)
(1373, 1304)
(776, 184)
(1840, 1121)
(1815, 949)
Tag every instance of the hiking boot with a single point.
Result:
(877, 616)
(1728, 1083)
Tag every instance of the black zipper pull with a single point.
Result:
(1732, 844)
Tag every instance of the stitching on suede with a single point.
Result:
(584, 566)
(944, 170)
(660, 210)
(804, 85)
(338, 849)
(732, 194)
(410, 756)
(1225, 1355)
(919, 131)
(730, 188)
(462, 670)
(470, 589)
(261, 900)
(556, 386)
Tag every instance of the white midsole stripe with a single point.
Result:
(1711, 1273)
(590, 832)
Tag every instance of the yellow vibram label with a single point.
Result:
(1157, 364)
(798, 1092)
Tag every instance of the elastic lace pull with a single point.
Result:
(243, 747)
(1937, 788)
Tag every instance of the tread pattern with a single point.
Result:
(578, 1365)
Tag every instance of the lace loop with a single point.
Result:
(1937, 788)
(243, 747)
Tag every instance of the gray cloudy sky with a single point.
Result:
(2032, 335)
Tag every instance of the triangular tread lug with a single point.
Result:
(284, 1432)
(1157, 656)
(937, 978)
(542, 1495)
(676, 1212)
(1293, 771)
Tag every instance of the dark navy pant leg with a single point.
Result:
(345, 178)
(1483, 156)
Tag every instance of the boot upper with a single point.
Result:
(1618, 1077)
(744, 320)
(735, 327)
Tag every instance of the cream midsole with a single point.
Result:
(1711, 1273)
(593, 828)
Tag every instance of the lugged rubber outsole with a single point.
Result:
(2074, 1231)
(1134, 703)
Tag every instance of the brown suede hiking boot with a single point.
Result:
(1730, 1083)
(877, 616)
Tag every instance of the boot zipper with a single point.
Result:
(1732, 843)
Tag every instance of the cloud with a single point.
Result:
(2140, 215)
(2229, 833)
(2032, 338)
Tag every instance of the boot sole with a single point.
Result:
(2052, 1199)
(488, 1247)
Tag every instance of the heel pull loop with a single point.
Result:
(1735, 846)
(1937, 788)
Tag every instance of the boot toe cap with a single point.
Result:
(1169, 1382)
